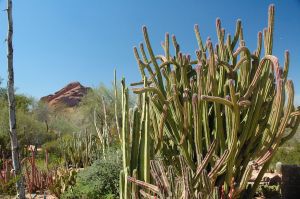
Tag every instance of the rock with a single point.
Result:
(278, 167)
(69, 96)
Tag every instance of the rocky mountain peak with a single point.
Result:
(68, 96)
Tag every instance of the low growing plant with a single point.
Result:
(288, 154)
(100, 180)
(63, 180)
(8, 187)
(7, 178)
(36, 179)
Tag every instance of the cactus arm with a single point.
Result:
(213, 173)
(150, 89)
(122, 185)
(198, 37)
(259, 44)
(141, 67)
(293, 131)
(125, 131)
(157, 70)
(237, 33)
(135, 140)
(116, 105)
(286, 65)
(270, 30)
(218, 100)
(206, 160)
(143, 53)
(197, 128)
(255, 80)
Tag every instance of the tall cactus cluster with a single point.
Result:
(210, 121)
(80, 150)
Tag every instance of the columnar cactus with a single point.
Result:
(217, 117)
(135, 143)
(78, 150)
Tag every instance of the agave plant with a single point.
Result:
(212, 120)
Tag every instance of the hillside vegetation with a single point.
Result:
(75, 137)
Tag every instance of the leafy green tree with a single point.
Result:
(98, 107)
(31, 131)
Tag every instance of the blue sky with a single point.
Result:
(59, 41)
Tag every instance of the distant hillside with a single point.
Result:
(69, 96)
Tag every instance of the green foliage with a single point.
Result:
(30, 130)
(23, 103)
(56, 120)
(62, 123)
(41, 111)
(288, 154)
(62, 132)
(54, 162)
(95, 128)
(92, 105)
(8, 187)
(80, 130)
(100, 180)
(63, 180)
(53, 146)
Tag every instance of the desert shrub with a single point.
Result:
(60, 122)
(63, 180)
(53, 147)
(54, 162)
(32, 131)
(100, 180)
(288, 154)
(8, 187)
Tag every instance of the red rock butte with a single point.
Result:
(68, 96)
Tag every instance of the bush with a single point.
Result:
(54, 146)
(8, 187)
(64, 179)
(100, 180)
(288, 154)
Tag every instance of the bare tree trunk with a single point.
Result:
(12, 107)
